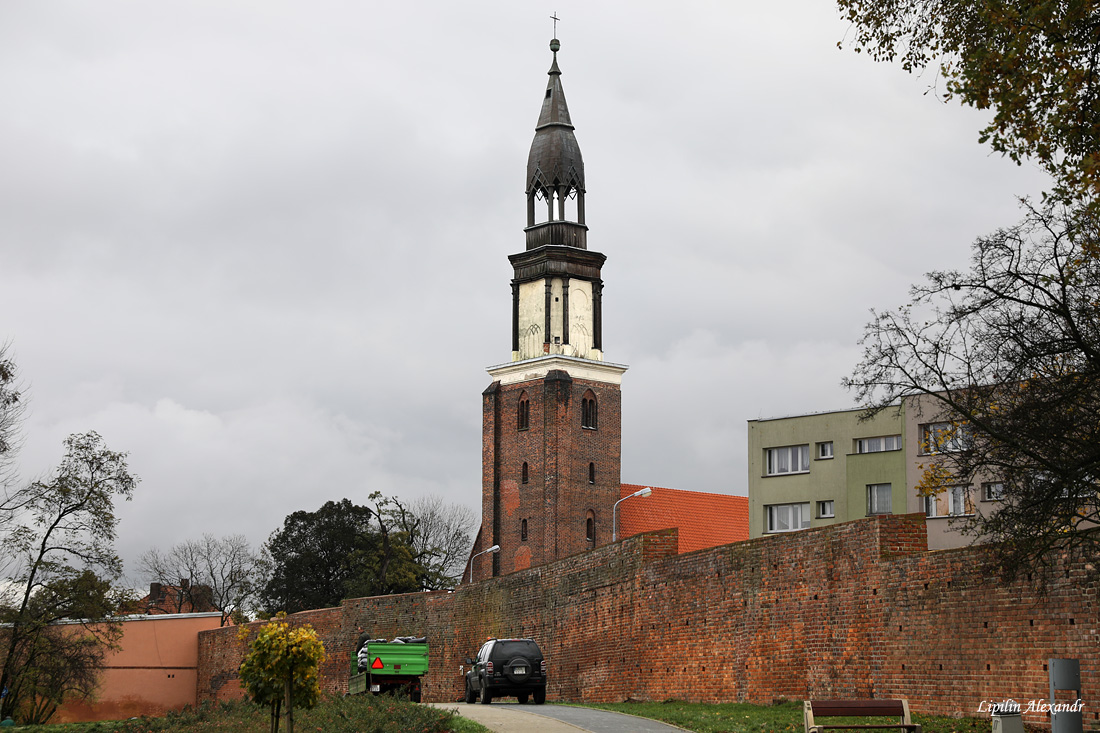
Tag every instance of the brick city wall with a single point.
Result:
(853, 610)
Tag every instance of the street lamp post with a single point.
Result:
(615, 511)
(494, 549)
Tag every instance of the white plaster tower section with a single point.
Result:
(572, 320)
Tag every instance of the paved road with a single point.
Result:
(515, 718)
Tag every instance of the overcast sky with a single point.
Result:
(262, 246)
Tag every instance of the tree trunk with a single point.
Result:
(289, 708)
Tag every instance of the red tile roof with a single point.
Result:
(704, 520)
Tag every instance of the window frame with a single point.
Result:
(871, 444)
(589, 412)
(958, 501)
(803, 450)
(523, 413)
(771, 513)
(871, 503)
(819, 452)
(956, 444)
(988, 494)
(821, 509)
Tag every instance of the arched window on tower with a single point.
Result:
(590, 529)
(523, 473)
(523, 413)
(523, 530)
(591, 473)
(588, 411)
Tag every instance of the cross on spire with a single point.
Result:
(555, 18)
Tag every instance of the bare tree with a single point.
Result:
(1010, 352)
(219, 571)
(440, 535)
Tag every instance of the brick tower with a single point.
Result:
(551, 418)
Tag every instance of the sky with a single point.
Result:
(262, 246)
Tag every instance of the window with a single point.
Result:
(588, 411)
(824, 450)
(523, 473)
(591, 473)
(879, 444)
(825, 509)
(994, 491)
(523, 530)
(523, 416)
(790, 459)
(878, 499)
(930, 507)
(942, 437)
(590, 529)
(956, 501)
(788, 517)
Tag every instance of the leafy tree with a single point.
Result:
(1010, 354)
(307, 561)
(60, 553)
(348, 550)
(282, 669)
(1033, 62)
(220, 570)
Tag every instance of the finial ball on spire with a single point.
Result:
(555, 44)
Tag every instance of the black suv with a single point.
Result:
(506, 667)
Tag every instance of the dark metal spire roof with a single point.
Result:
(555, 159)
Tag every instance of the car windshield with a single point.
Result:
(527, 649)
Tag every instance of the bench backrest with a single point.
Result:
(827, 708)
(858, 708)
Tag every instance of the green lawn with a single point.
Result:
(358, 714)
(744, 718)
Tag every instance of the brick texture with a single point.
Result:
(558, 494)
(858, 609)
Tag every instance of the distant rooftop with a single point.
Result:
(703, 519)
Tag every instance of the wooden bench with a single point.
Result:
(860, 708)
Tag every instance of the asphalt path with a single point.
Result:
(515, 718)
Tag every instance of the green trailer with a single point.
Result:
(389, 666)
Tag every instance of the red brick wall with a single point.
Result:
(851, 610)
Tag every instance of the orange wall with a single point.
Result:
(154, 671)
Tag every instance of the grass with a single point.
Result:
(356, 714)
(784, 716)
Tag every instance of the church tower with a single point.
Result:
(551, 440)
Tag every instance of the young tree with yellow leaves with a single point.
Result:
(282, 668)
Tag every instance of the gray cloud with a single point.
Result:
(262, 246)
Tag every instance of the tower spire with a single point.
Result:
(555, 169)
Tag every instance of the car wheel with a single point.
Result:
(471, 696)
(486, 698)
(540, 696)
